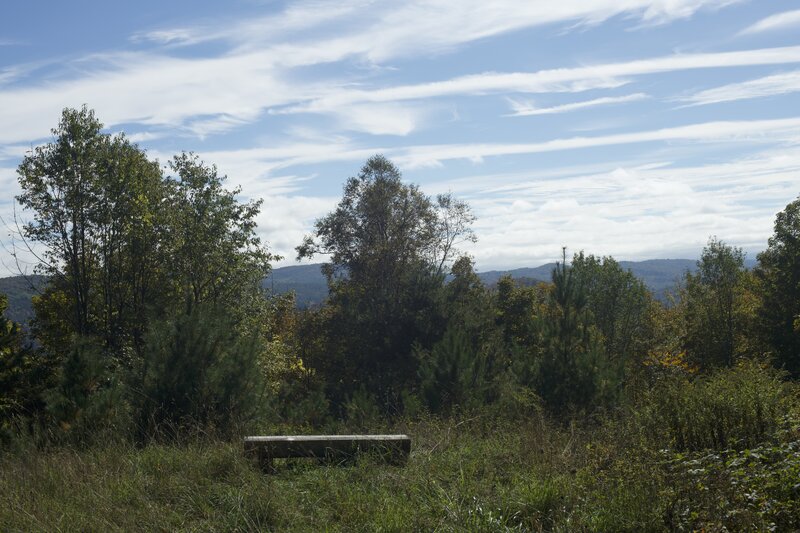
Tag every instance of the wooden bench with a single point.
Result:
(394, 448)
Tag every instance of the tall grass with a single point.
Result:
(463, 476)
(469, 472)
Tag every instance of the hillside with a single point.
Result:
(20, 290)
(311, 288)
(658, 274)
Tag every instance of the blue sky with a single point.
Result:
(632, 128)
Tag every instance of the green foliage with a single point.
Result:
(214, 250)
(466, 301)
(711, 306)
(619, 304)
(95, 203)
(300, 405)
(380, 227)
(153, 314)
(574, 373)
(59, 185)
(778, 273)
(88, 402)
(361, 411)
(124, 244)
(733, 408)
(389, 245)
(24, 373)
(197, 373)
(459, 369)
(463, 475)
(516, 310)
(748, 490)
(125, 247)
(453, 373)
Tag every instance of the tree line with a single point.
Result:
(154, 320)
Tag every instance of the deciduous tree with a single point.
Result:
(778, 273)
(711, 308)
(389, 246)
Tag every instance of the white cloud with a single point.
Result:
(145, 136)
(438, 25)
(13, 151)
(150, 90)
(249, 166)
(788, 82)
(286, 219)
(750, 131)
(7, 75)
(381, 30)
(601, 76)
(212, 95)
(321, 58)
(524, 109)
(221, 123)
(667, 11)
(778, 21)
(260, 30)
(372, 118)
(8, 183)
(632, 212)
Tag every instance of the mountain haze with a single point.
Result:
(658, 274)
(311, 289)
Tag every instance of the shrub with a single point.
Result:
(453, 373)
(24, 374)
(362, 411)
(198, 373)
(732, 408)
(88, 403)
(300, 404)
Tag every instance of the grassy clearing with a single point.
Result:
(718, 453)
(468, 475)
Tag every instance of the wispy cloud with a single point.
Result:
(380, 30)
(750, 131)
(151, 90)
(8, 75)
(255, 31)
(250, 165)
(204, 96)
(524, 109)
(778, 21)
(788, 82)
(145, 136)
(576, 79)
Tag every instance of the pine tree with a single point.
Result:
(573, 373)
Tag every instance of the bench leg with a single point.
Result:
(265, 461)
(267, 466)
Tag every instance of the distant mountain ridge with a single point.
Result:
(659, 275)
(311, 288)
(20, 291)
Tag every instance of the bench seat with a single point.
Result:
(264, 449)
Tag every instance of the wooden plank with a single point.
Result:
(395, 448)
